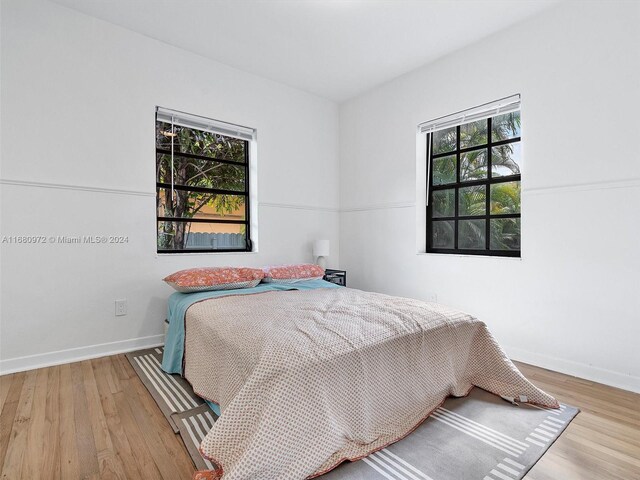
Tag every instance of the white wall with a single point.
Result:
(572, 303)
(77, 157)
(78, 103)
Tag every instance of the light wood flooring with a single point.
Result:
(95, 420)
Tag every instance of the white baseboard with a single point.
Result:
(576, 369)
(30, 362)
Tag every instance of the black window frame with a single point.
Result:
(244, 193)
(487, 182)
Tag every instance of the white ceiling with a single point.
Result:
(333, 48)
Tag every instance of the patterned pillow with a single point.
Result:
(214, 278)
(293, 273)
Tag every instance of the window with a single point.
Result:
(474, 183)
(202, 184)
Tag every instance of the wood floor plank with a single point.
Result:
(51, 439)
(8, 413)
(35, 438)
(69, 463)
(5, 386)
(88, 464)
(12, 467)
(111, 376)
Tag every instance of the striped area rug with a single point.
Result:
(194, 425)
(172, 393)
(478, 437)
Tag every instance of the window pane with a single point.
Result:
(471, 234)
(189, 140)
(444, 170)
(443, 203)
(192, 172)
(473, 165)
(443, 232)
(472, 200)
(505, 198)
(204, 236)
(505, 234)
(210, 206)
(505, 126)
(473, 134)
(444, 140)
(505, 160)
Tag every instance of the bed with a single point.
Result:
(308, 378)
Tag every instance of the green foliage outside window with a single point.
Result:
(475, 158)
(201, 171)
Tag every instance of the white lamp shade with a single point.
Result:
(321, 248)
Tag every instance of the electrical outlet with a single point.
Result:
(121, 308)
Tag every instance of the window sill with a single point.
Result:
(191, 254)
(462, 255)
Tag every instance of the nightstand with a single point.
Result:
(339, 277)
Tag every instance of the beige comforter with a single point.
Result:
(308, 379)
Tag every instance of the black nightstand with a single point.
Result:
(339, 277)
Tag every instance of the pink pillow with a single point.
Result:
(293, 273)
(214, 278)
